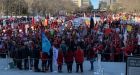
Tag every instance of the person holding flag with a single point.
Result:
(46, 46)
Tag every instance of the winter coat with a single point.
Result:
(69, 56)
(18, 54)
(25, 52)
(79, 56)
(60, 58)
(64, 47)
(91, 54)
(36, 53)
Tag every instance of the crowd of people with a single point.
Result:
(114, 39)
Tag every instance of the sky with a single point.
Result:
(95, 3)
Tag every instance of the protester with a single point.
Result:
(114, 37)
(25, 53)
(18, 57)
(50, 60)
(44, 58)
(69, 58)
(79, 58)
(63, 47)
(36, 53)
(60, 60)
(91, 56)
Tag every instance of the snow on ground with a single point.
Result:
(110, 68)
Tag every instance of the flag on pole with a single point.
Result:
(46, 45)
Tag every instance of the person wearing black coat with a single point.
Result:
(50, 59)
(69, 58)
(91, 57)
(18, 57)
(25, 53)
(36, 56)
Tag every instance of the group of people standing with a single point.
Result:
(69, 57)
(72, 44)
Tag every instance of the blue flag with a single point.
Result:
(46, 45)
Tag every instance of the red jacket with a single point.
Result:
(69, 56)
(100, 47)
(127, 50)
(79, 56)
(60, 58)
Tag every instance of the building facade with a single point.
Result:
(82, 3)
(109, 2)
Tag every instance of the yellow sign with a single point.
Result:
(129, 28)
(87, 22)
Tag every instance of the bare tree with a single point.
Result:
(130, 5)
(12, 7)
(53, 6)
(34, 7)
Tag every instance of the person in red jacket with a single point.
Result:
(79, 58)
(69, 57)
(44, 57)
(91, 56)
(60, 60)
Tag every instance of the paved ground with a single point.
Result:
(110, 68)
